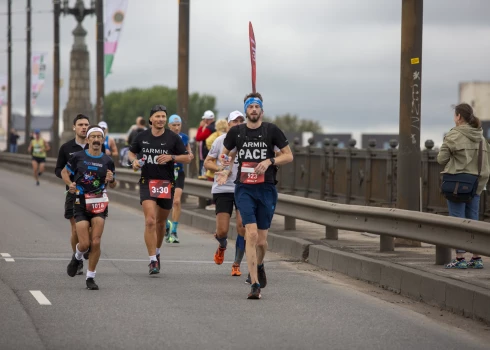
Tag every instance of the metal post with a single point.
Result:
(409, 158)
(386, 244)
(331, 233)
(99, 11)
(9, 70)
(443, 255)
(183, 65)
(56, 78)
(289, 223)
(28, 76)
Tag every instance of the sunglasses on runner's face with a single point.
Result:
(158, 108)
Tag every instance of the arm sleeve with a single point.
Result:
(230, 139)
(214, 150)
(71, 165)
(444, 154)
(278, 138)
(202, 134)
(60, 162)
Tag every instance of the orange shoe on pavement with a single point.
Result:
(235, 270)
(219, 256)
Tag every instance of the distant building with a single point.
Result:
(476, 94)
(382, 140)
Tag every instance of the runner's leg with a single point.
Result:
(161, 222)
(177, 208)
(149, 210)
(261, 245)
(97, 230)
(251, 237)
(35, 167)
(74, 237)
(41, 168)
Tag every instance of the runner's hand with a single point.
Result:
(164, 158)
(72, 188)
(222, 177)
(191, 156)
(136, 165)
(225, 162)
(262, 166)
(109, 176)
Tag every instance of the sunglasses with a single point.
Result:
(158, 108)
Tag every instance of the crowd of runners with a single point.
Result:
(241, 160)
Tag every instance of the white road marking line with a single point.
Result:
(39, 296)
(142, 260)
(7, 257)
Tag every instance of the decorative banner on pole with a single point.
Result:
(114, 13)
(253, 54)
(3, 89)
(38, 74)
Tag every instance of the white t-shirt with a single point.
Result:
(215, 151)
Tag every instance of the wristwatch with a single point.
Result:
(273, 161)
(173, 157)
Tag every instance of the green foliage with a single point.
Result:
(121, 108)
(290, 122)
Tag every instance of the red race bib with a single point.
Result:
(160, 189)
(248, 174)
(96, 203)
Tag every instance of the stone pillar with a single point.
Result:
(79, 88)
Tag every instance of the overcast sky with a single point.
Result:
(335, 61)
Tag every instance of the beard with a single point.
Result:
(254, 118)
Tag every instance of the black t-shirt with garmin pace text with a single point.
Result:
(255, 149)
(89, 172)
(149, 148)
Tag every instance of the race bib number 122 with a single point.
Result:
(160, 189)
(248, 174)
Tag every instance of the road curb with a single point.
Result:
(457, 297)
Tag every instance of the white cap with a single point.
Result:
(208, 115)
(103, 125)
(235, 114)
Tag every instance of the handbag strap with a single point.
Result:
(480, 157)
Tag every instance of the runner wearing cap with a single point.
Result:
(255, 191)
(171, 236)
(109, 142)
(160, 149)
(38, 147)
(224, 197)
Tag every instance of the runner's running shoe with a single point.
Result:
(235, 270)
(91, 284)
(261, 276)
(219, 256)
(255, 292)
(475, 263)
(87, 253)
(174, 237)
(154, 268)
(72, 267)
(158, 258)
(248, 280)
(80, 267)
(457, 264)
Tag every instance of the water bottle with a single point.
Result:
(225, 158)
(141, 163)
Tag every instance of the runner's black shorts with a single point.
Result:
(39, 160)
(179, 182)
(69, 202)
(161, 202)
(225, 202)
(81, 214)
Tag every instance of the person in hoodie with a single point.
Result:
(459, 154)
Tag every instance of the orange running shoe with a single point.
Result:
(235, 270)
(219, 256)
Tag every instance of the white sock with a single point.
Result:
(90, 274)
(79, 254)
(158, 251)
(153, 258)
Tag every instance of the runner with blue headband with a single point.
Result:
(255, 192)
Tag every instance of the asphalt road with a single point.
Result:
(192, 304)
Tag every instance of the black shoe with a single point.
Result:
(248, 280)
(154, 268)
(255, 292)
(86, 254)
(80, 267)
(72, 267)
(261, 276)
(37, 183)
(91, 284)
(158, 258)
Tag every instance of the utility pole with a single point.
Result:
(28, 75)
(409, 154)
(56, 77)
(183, 66)
(99, 12)
(9, 70)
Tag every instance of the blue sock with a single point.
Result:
(174, 226)
(168, 224)
(222, 241)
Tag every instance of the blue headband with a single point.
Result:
(251, 101)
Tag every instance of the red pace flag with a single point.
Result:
(253, 54)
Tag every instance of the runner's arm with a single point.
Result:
(29, 149)
(285, 157)
(113, 147)
(46, 147)
(60, 162)
(65, 175)
(183, 158)
(211, 164)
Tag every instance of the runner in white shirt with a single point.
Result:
(224, 197)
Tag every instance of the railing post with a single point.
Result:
(293, 168)
(443, 255)
(348, 170)
(386, 244)
(368, 189)
(202, 203)
(289, 223)
(331, 233)
(309, 151)
(424, 195)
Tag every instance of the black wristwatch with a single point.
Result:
(273, 161)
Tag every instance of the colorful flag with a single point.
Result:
(253, 54)
(114, 13)
(38, 74)
(3, 90)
